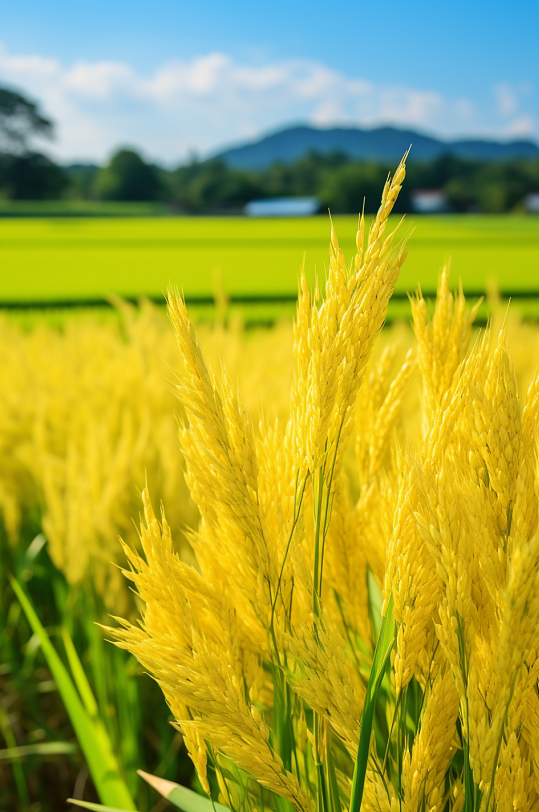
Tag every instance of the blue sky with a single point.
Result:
(173, 78)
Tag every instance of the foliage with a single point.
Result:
(492, 187)
(355, 184)
(344, 185)
(213, 187)
(127, 177)
(81, 179)
(31, 176)
(82, 709)
(20, 122)
(24, 173)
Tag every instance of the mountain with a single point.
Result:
(384, 144)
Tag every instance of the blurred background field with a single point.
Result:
(59, 258)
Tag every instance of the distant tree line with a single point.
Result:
(203, 187)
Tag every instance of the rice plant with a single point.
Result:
(347, 618)
(289, 687)
(78, 401)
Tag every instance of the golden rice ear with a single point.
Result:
(443, 341)
(425, 778)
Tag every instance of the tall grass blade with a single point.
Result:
(283, 729)
(40, 749)
(95, 807)
(381, 655)
(79, 676)
(18, 772)
(375, 603)
(90, 733)
(185, 799)
(331, 779)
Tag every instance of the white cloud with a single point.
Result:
(507, 100)
(410, 106)
(212, 100)
(327, 113)
(464, 108)
(201, 77)
(100, 80)
(524, 126)
(510, 101)
(29, 68)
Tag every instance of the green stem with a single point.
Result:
(384, 645)
(318, 486)
(18, 770)
(297, 512)
(317, 505)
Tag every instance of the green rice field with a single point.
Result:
(57, 258)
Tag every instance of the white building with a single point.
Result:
(429, 201)
(282, 207)
(531, 202)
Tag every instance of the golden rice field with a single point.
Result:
(329, 561)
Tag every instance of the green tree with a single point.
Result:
(128, 177)
(31, 176)
(24, 173)
(213, 186)
(81, 180)
(348, 186)
(20, 122)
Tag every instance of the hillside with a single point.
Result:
(384, 144)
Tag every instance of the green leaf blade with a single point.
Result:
(381, 654)
(39, 749)
(183, 798)
(95, 807)
(91, 734)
